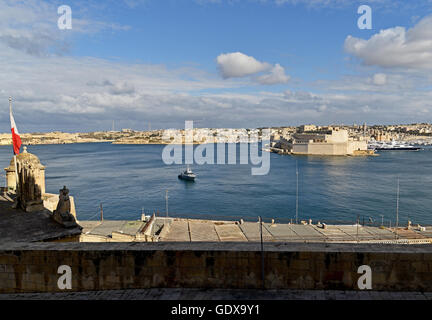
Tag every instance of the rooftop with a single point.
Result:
(19, 226)
(196, 230)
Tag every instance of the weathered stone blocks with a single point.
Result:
(102, 267)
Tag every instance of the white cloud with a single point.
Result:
(276, 75)
(30, 26)
(237, 64)
(366, 109)
(379, 79)
(396, 47)
(81, 93)
(300, 96)
(122, 88)
(322, 108)
(72, 93)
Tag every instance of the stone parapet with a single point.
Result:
(33, 267)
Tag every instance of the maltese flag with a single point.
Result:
(16, 139)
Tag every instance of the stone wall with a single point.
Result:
(321, 148)
(354, 146)
(101, 266)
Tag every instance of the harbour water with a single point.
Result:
(128, 178)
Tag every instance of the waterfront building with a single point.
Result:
(307, 127)
(333, 141)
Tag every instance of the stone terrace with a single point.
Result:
(20, 226)
(193, 230)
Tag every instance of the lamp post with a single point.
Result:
(297, 192)
(397, 204)
(166, 202)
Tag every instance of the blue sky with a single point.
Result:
(226, 63)
(306, 40)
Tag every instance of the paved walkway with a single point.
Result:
(210, 230)
(196, 230)
(220, 294)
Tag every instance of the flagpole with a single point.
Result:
(15, 161)
(297, 193)
(16, 174)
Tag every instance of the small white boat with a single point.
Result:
(187, 175)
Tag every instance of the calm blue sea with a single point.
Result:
(128, 178)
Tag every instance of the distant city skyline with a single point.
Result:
(221, 63)
(391, 127)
